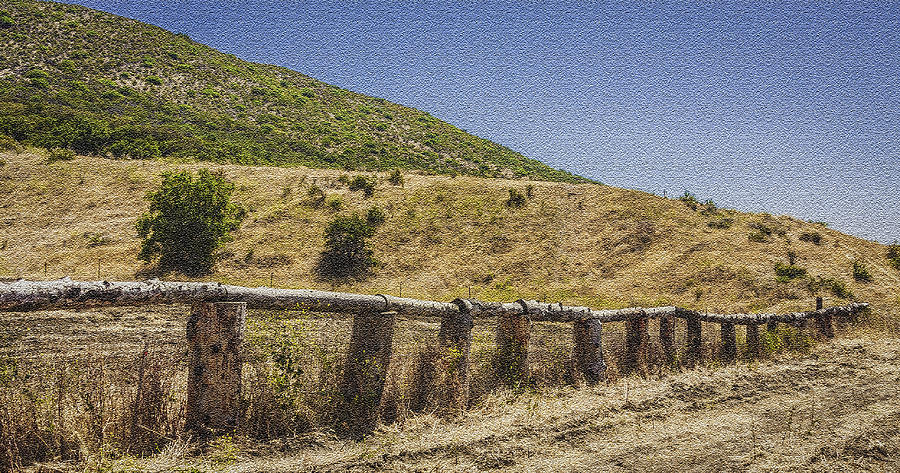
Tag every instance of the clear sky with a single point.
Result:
(790, 108)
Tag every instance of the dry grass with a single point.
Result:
(79, 392)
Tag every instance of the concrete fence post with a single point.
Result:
(729, 343)
(215, 332)
(589, 350)
(368, 359)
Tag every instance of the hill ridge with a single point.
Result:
(102, 84)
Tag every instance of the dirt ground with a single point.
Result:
(836, 408)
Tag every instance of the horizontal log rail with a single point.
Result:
(23, 295)
(215, 334)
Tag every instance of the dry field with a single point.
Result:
(829, 407)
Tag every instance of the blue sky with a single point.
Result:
(791, 108)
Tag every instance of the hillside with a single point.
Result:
(110, 86)
(577, 243)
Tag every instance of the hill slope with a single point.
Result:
(102, 84)
(583, 244)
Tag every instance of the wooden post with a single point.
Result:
(729, 344)
(589, 350)
(667, 338)
(455, 339)
(513, 332)
(215, 332)
(826, 329)
(636, 343)
(694, 340)
(364, 373)
(754, 350)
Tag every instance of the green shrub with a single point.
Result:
(756, 236)
(690, 200)
(723, 222)
(529, 191)
(395, 178)
(316, 196)
(154, 80)
(893, 255)
(838, 288)
(6, 21)
(375, 216)
(7, 143)
(709, 208)
(516, 199)
(760, 227)
(363, 183)
(861, 272)
(335, 202)
(60, 154)
(786, 272)
(346, 251)
(189, 218)
(812, 237)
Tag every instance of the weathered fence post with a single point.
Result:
(455, 339)
(826, 329)
(364, 373)
(754, 350)
(513, 332)
(215, 332)
(729, 342)
(667, 338)
(636, 343)
(589, 349)
(694, 340)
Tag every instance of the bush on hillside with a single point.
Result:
(786, 272)
(395, 178)
(60, 154)
(690, 200)
(189, 218)
(861, 272)
(516, 199)
(363, 183)
(812, 237)
(347, 253)
(893, 255)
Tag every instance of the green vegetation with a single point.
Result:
(363, 183)
(60, 154)
(143, 93)
(786, 272)
(516, 199)
(893, 255)
(347, 253)
(812, 237)
(690, 200)
(396, 178)
(189, 218)
(861, 272)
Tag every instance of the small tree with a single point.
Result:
(189, 218)
(346, 251)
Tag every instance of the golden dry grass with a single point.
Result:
(582, 244)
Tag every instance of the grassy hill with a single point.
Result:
(101, 84)
(577, 243)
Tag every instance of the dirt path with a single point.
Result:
(834, 409)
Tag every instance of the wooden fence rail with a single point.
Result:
(215, 332)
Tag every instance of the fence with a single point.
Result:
(215, 333)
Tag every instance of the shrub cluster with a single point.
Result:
(395, 178)
(516, 199)
(893, 255)
(861, 272)
(189, 218)
(346, 251)
(363, 183)
(812, 237)
(786, 272)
